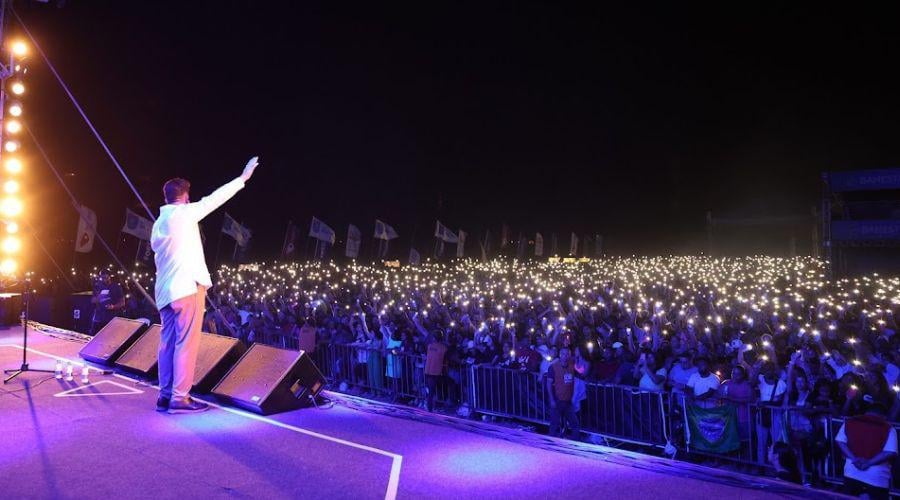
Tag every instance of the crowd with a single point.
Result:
(760, 330)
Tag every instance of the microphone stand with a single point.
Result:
(24, 368)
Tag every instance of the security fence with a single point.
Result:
(724, 430)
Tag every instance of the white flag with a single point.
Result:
(573, 246)
(461, 244)
(87, 228)
(320, 231)
(384, 231)
(232, 228)
(444, 233)
(136, 225)
(538, 245)
(414, 257)
(354, 237)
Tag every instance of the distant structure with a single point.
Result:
(861, 221)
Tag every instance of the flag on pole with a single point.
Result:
(538, 245)
(234, 229)
(414, 257)
(444, 233)
(145, 252)
(504, 236)
(354, 237)
(290, 240)
(87, 229)
(461, 244)
(320, 231)
(486, 246)
(137, 226)
(384, 231)
(573, 246)
(520, 247)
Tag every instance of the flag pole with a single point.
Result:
(284, 244)
(218, 247)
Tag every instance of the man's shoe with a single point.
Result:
(162, 404)
(187, 405)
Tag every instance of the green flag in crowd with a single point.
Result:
(713, 429)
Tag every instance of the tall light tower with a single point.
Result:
(12, 88)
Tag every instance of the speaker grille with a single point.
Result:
(217, 354)
(112, 340)
(142, 356)
(258, 373)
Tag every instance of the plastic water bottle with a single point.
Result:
(84, 375)
(59, 369)
(69, 377)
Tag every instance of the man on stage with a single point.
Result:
(181, 283)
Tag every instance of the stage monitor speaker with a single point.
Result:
(141, 357)
(112, 340)
(269, 380)
(217, 354)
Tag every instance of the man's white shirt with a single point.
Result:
(178, 248)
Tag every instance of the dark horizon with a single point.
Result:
(631, 124)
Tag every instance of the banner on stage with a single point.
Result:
(320, 231)
(414, 258)
(538, 245)
(137, 226)
(461, 244)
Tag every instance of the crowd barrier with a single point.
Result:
(621, 413)
(389, 373)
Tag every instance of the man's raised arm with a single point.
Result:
(217, 198)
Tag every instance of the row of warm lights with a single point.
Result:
(11, 206)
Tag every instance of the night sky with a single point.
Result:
(628, 123)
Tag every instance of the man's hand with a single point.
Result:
(249, 168)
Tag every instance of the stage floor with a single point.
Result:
(64, 440)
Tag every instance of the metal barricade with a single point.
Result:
(625, 413)
(509, 393)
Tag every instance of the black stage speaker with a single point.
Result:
(112, 340)
(217, 354)
(269, 380)
(141, 357)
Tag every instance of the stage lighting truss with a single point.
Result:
(12, 88)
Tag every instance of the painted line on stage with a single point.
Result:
(72, 393)
(396, 459)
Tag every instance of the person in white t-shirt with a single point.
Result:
(651, 377)
(681, 372)
(869, 445)
(704, 385)
(771, 393)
